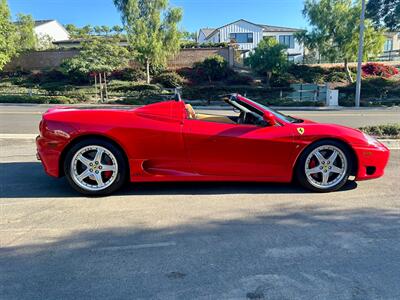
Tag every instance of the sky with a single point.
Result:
(196, 13)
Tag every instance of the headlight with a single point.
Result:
(372, 141)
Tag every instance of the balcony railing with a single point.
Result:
(393, 55)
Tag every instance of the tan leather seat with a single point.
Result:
(191, 114)
(214, 118)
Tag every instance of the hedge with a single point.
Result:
(36, 99)
(212, 93)
(383, 131)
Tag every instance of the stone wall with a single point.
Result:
(42, 60)
(187, 57)
(39, 60)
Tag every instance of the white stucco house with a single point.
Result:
(391, 48)
(247, 35)
(51, 29)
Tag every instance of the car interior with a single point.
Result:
(242, 115)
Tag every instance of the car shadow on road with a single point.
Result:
(286, 253)
(28, 180)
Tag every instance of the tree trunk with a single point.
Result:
(269, 75)
(147, 71)
(105, 85)
(101, 88)
(347, 70)
(95, 84)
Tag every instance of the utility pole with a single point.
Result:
(360, 54)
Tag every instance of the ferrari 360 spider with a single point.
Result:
(99, 149)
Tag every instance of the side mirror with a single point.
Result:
(269, 118)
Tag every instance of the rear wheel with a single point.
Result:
(324, 166)
(95, 167)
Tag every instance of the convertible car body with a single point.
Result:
(99, 149)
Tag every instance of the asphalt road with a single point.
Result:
(195, 241)
(24, 119)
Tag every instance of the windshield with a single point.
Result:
(276, 113)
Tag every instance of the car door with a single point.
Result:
(156, 140)
(238, 149)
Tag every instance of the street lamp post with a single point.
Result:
(360, 54)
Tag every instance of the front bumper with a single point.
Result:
(371, 161)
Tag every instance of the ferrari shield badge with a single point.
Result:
(300, 130)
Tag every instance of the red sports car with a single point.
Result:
(98, 150)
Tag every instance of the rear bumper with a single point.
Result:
(49, 154)
(371, 162)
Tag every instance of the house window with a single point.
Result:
(241, 37)
(388, 46)
(287, 40)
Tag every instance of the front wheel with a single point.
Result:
(95, 167)
(324, 166)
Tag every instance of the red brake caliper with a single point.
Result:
(107, 174)
(312, 165)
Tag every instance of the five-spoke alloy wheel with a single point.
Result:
(95, 167)
(324, 166)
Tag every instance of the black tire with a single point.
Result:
(300, 173)
(121, 174)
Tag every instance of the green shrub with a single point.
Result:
(19, 81)
(390, 130)
(213, 68)
(129, 74)
(74, 76)
(77, 77)
(375, 88)
(268, 58)
(336, 77)
(8, 87)
(203, 45)
(307, 74)
(142, 97)
(239, 79)
(191, 75)
(145, 87)
(61, 100)
(55, 88)
(35, 99)
(48, 77)
(169, 79)
(55, 75)
(282, 80)
(79, 95)
(126, 87)
(292, 103)
(212, 93)
(156, 69)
